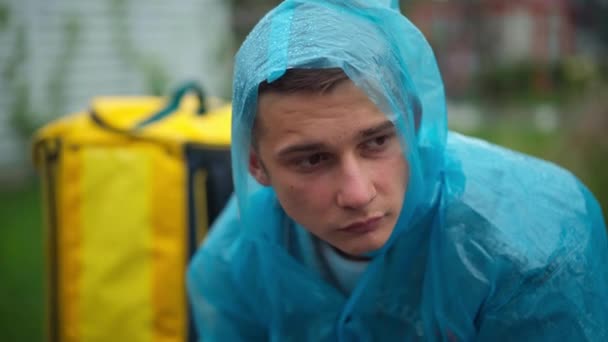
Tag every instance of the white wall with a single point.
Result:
(113, 46)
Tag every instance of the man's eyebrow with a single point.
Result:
(316, 146)
(302, 148)
(385, 126)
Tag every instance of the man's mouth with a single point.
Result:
(364, 226)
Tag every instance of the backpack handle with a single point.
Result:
(174, 102)
(171, 107)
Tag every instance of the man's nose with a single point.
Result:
(355, 187)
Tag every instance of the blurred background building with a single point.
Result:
(528, 74)
(474, 39)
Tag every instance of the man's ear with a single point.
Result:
(256, 168)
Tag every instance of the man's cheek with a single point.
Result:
(292, 196)
(311, 197)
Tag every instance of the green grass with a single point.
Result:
(21, 265)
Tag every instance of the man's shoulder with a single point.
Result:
(513, 224)
(531, 212)
(502, 169)
(507, 185)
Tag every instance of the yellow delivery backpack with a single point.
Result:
(130, 188)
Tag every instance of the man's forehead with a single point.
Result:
(345, 114)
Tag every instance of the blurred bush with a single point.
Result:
(527, 81)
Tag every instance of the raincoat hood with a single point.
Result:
(390, 60)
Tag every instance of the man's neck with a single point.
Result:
(351, 257)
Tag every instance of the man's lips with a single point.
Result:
(364, 226)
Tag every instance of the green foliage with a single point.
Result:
(20, 110)
(21, 116)
(56, 86)
(13, 72)
(510, 82)
(4, 16)
(528, 82)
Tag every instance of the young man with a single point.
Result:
(357, 217)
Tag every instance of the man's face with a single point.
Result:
(335, 163)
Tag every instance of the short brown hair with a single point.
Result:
(316, 81)
(305, 80)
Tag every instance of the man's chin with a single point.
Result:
(361, 249)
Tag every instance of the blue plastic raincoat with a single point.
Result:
(490, 245)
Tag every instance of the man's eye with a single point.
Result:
(377, 143)
(311, 161)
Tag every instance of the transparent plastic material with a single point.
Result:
(490, 244)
